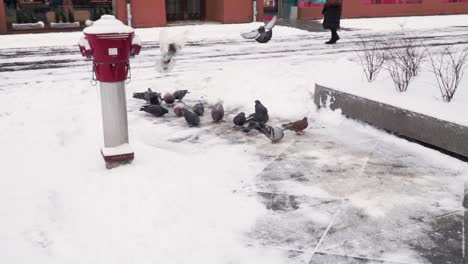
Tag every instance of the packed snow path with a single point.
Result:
(341, 193)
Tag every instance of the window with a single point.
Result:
(40, 14)
(308, 3)
(270, 9)
(377, 2)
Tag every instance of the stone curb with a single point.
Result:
(444, 136)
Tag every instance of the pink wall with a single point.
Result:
(359, 8)
(214, 10)
(148, 13)
(238, 11)
(121, 10)
(232, 11)
(3, 23)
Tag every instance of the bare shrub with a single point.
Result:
(372, 57)
(397, 66)
(403, 58)
(448, 67)
(415, 53)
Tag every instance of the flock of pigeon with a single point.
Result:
(256, 121)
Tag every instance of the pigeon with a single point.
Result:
(261, 113)
(179, 109)
(251, 125)
(147, 95)
(155, 110)
(169, 98)
(168, 54)
(179, 94)
(263, 34)
(155, 99)
(240, 119)
(191, 118)
(275, 134)
(217, 113)
(297, 126)
(199, 109)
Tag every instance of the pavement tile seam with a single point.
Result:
(464, 234)
(397, 228)
(258, 188)
(279, 248)
(335, 215)
(362, 258)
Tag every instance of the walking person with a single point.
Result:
(331, 18)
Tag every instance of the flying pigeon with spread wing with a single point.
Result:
(262, 34)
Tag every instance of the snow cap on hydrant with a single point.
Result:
(108, 24)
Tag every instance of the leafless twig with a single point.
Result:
(448, 67)
(371, 55)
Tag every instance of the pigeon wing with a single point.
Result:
(271, 24)
(251, 35)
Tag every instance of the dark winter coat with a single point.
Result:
(332, 14)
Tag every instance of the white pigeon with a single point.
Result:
(170, 46)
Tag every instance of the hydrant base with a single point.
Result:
(116, 156)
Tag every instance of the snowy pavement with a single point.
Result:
(359, 198)
(342, 193)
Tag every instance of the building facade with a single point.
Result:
(19, 16)
(312, 9)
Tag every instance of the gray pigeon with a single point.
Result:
(155, 100)
(191, 118)
(179, 94)
(169, 98)
(261, 113)
(217, 113)
(155, 110)
(179, 109)
(263, 34)
(199, 109)
(147, 95)
(240, 119)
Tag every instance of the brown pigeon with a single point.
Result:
(297, 126)
(169, 98)
(179, 109)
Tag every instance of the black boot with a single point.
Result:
(334, 37)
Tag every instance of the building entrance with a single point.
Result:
(185, 10)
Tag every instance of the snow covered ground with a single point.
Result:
(213, 194)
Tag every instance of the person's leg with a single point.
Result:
(334, 37)
(335, 34)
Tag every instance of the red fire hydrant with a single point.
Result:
(111, 44)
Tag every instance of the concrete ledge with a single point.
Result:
(65, 25)
(445, 136)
